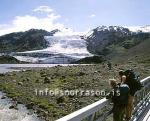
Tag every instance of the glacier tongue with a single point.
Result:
(62, 49)
(73, 46)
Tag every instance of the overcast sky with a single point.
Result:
(76, 15)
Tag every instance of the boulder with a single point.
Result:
(47, 80)
(20, 83)
(60, 99)
(30, 105)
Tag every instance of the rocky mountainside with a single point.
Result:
(113, 40)
(24, 41)
(106, 41)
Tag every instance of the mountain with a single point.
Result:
(40, 46)
(24, 41)
(90, 60)
(102, 36)
(113, 40)
(145, 29)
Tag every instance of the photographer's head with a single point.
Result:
(122, 76)
(113, 82)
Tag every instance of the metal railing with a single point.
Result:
(100, 110)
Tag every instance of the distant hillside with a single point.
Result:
(101, 37)
(8, 59)
(139, 53)
(114, 41)
(24, 41)
(91, 60)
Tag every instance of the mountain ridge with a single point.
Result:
(24, 41)
(104, 40)
(107, 41)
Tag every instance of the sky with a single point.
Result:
(71, 15)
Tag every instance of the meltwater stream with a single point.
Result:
(21, 114)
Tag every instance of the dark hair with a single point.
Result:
(121, 72)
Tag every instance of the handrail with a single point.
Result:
(86, 111)
(141, 100)
(90, 110)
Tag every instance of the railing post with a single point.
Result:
(91, 117)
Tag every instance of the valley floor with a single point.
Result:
(25, 86)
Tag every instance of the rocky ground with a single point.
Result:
(21, 86)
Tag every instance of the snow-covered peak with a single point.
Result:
(139, 28)
(108, 29)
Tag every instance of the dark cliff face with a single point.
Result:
(24, 41)
(113, 39)
(104, 36)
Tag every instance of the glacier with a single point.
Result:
(61, 50)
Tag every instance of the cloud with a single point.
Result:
(139, 28)
(92, 16)
(46, 9)
(68, 32)
(26, 22)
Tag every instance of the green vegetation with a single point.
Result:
(109, 43)
(24, 41)
(22, 85)
(8, 59)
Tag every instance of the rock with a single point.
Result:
(95, 71)
(37, 81)
(23, 80)
(3, 97)
(63, 77)
(14, 105)
(14, 81)
(2, 74)
(43, 74)
(60, 99)
(30, 105)
(11, 107)
(47, 80)
(28, 79)
(64, 80)
(99, 71)
(62, 105)
(42, 107)
(82, 83)
(20, 83)
(14, 99)
(81, 74)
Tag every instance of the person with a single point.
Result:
(122, 76)
(119, 96)
(131, 82)
(128, 77)
(109, 65)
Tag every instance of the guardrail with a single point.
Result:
(141, 100)
(100, 110)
